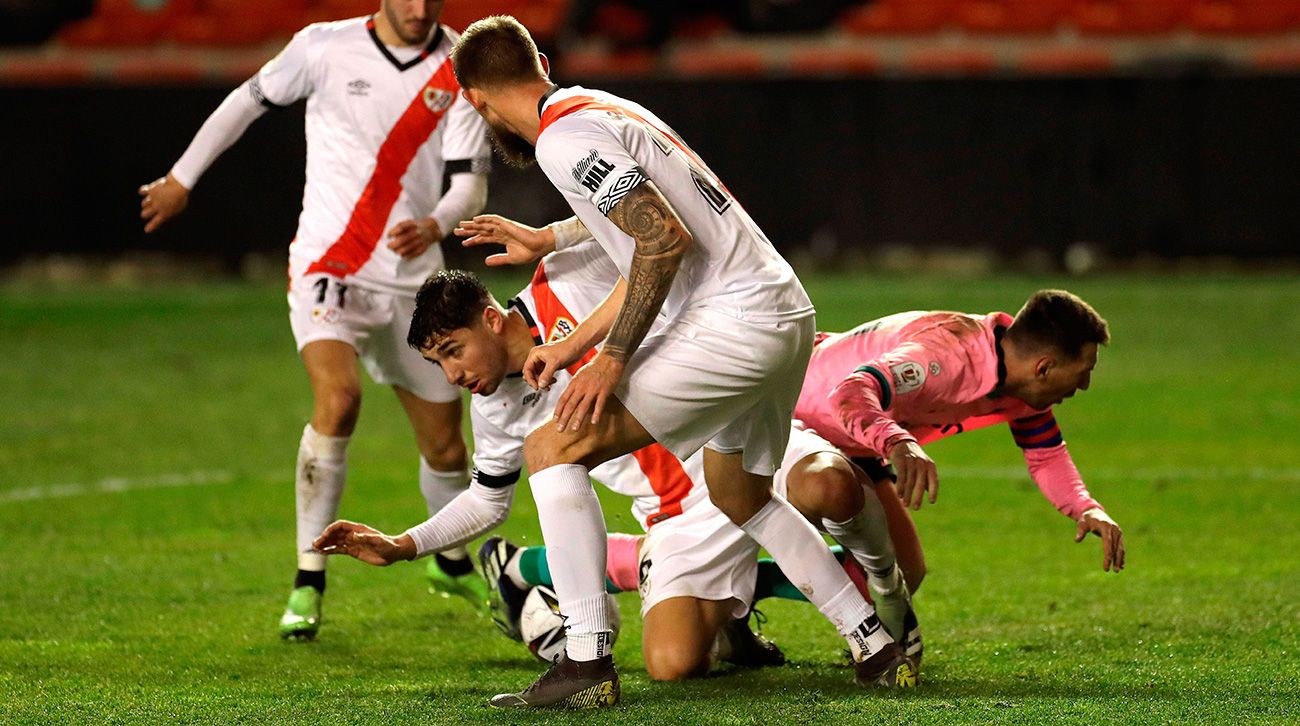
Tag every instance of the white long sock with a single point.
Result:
(318, 487)
(439, 488)
(866, 537)
(804, 558)
(573, 527)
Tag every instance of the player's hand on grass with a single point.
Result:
(545, 361)
(523, 244)
(413, 237)
(588, 392)
(1112, 538)
(162, 199)
(916, 471)
(364, 543)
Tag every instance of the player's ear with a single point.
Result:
(1043, 366)
(493, 319)
(546, 65)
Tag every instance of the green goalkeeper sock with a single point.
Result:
(772, 582)
(535, 570)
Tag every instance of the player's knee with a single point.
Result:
(675, 662)
(830, 488)
(451, 457)
(337, 410)
(545, 447)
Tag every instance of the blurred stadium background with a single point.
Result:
(1038, 134)
(903, 153)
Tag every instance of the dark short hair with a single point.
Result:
(447, 301)
(1060, 320)
(494, 51)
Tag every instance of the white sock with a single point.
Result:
(318, 487)
(439, 488)
(866, 537)
(573, 527)
(804, 558)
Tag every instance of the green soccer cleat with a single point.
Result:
(301, 617)
(469, 586)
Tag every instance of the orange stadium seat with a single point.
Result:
(1128, 17)
(896, 17)
(236, 22)
(125, 23)
(543, 18)
(1011, 16)
(1243, 17)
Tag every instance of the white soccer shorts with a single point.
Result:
(323, 307)
(698, 554)
(710, 378)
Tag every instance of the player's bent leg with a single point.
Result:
(335, 386)
(829, 489)
(678, 636)
(902, 531)
(799, 549)
(443, 476)
(320, 474)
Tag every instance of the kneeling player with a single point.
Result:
(482, 347)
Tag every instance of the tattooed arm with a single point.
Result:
(661, 241)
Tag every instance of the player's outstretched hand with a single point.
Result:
(916, 473)
(413, 237)
(588, 392)
(545, 361)
(523, 244)
(1112, 538)
(162, 199)
(364, 543)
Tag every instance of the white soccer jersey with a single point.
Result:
(567, 286)
(595, 147)
(380, 134)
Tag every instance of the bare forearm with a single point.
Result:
(661, 242)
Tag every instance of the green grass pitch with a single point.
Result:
(146, 497)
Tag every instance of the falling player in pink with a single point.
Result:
(887, 387)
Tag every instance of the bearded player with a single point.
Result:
(385, 126)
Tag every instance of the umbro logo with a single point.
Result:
(359, 87)
(531, 399)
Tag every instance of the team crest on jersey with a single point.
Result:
(561, 330)
(908, 376)
(359, 87)
(327, 315)
(438, 99)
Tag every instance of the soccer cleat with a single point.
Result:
(568, 684)
(748, 648)
(898, 617)
(889, 667)
(505, 598)
(301, 617)
(468, 586)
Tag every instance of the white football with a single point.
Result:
(542, 627)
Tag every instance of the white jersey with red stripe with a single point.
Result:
(383, 125)
(595, 147)
(567, 286)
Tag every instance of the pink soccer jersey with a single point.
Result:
(921, 376)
